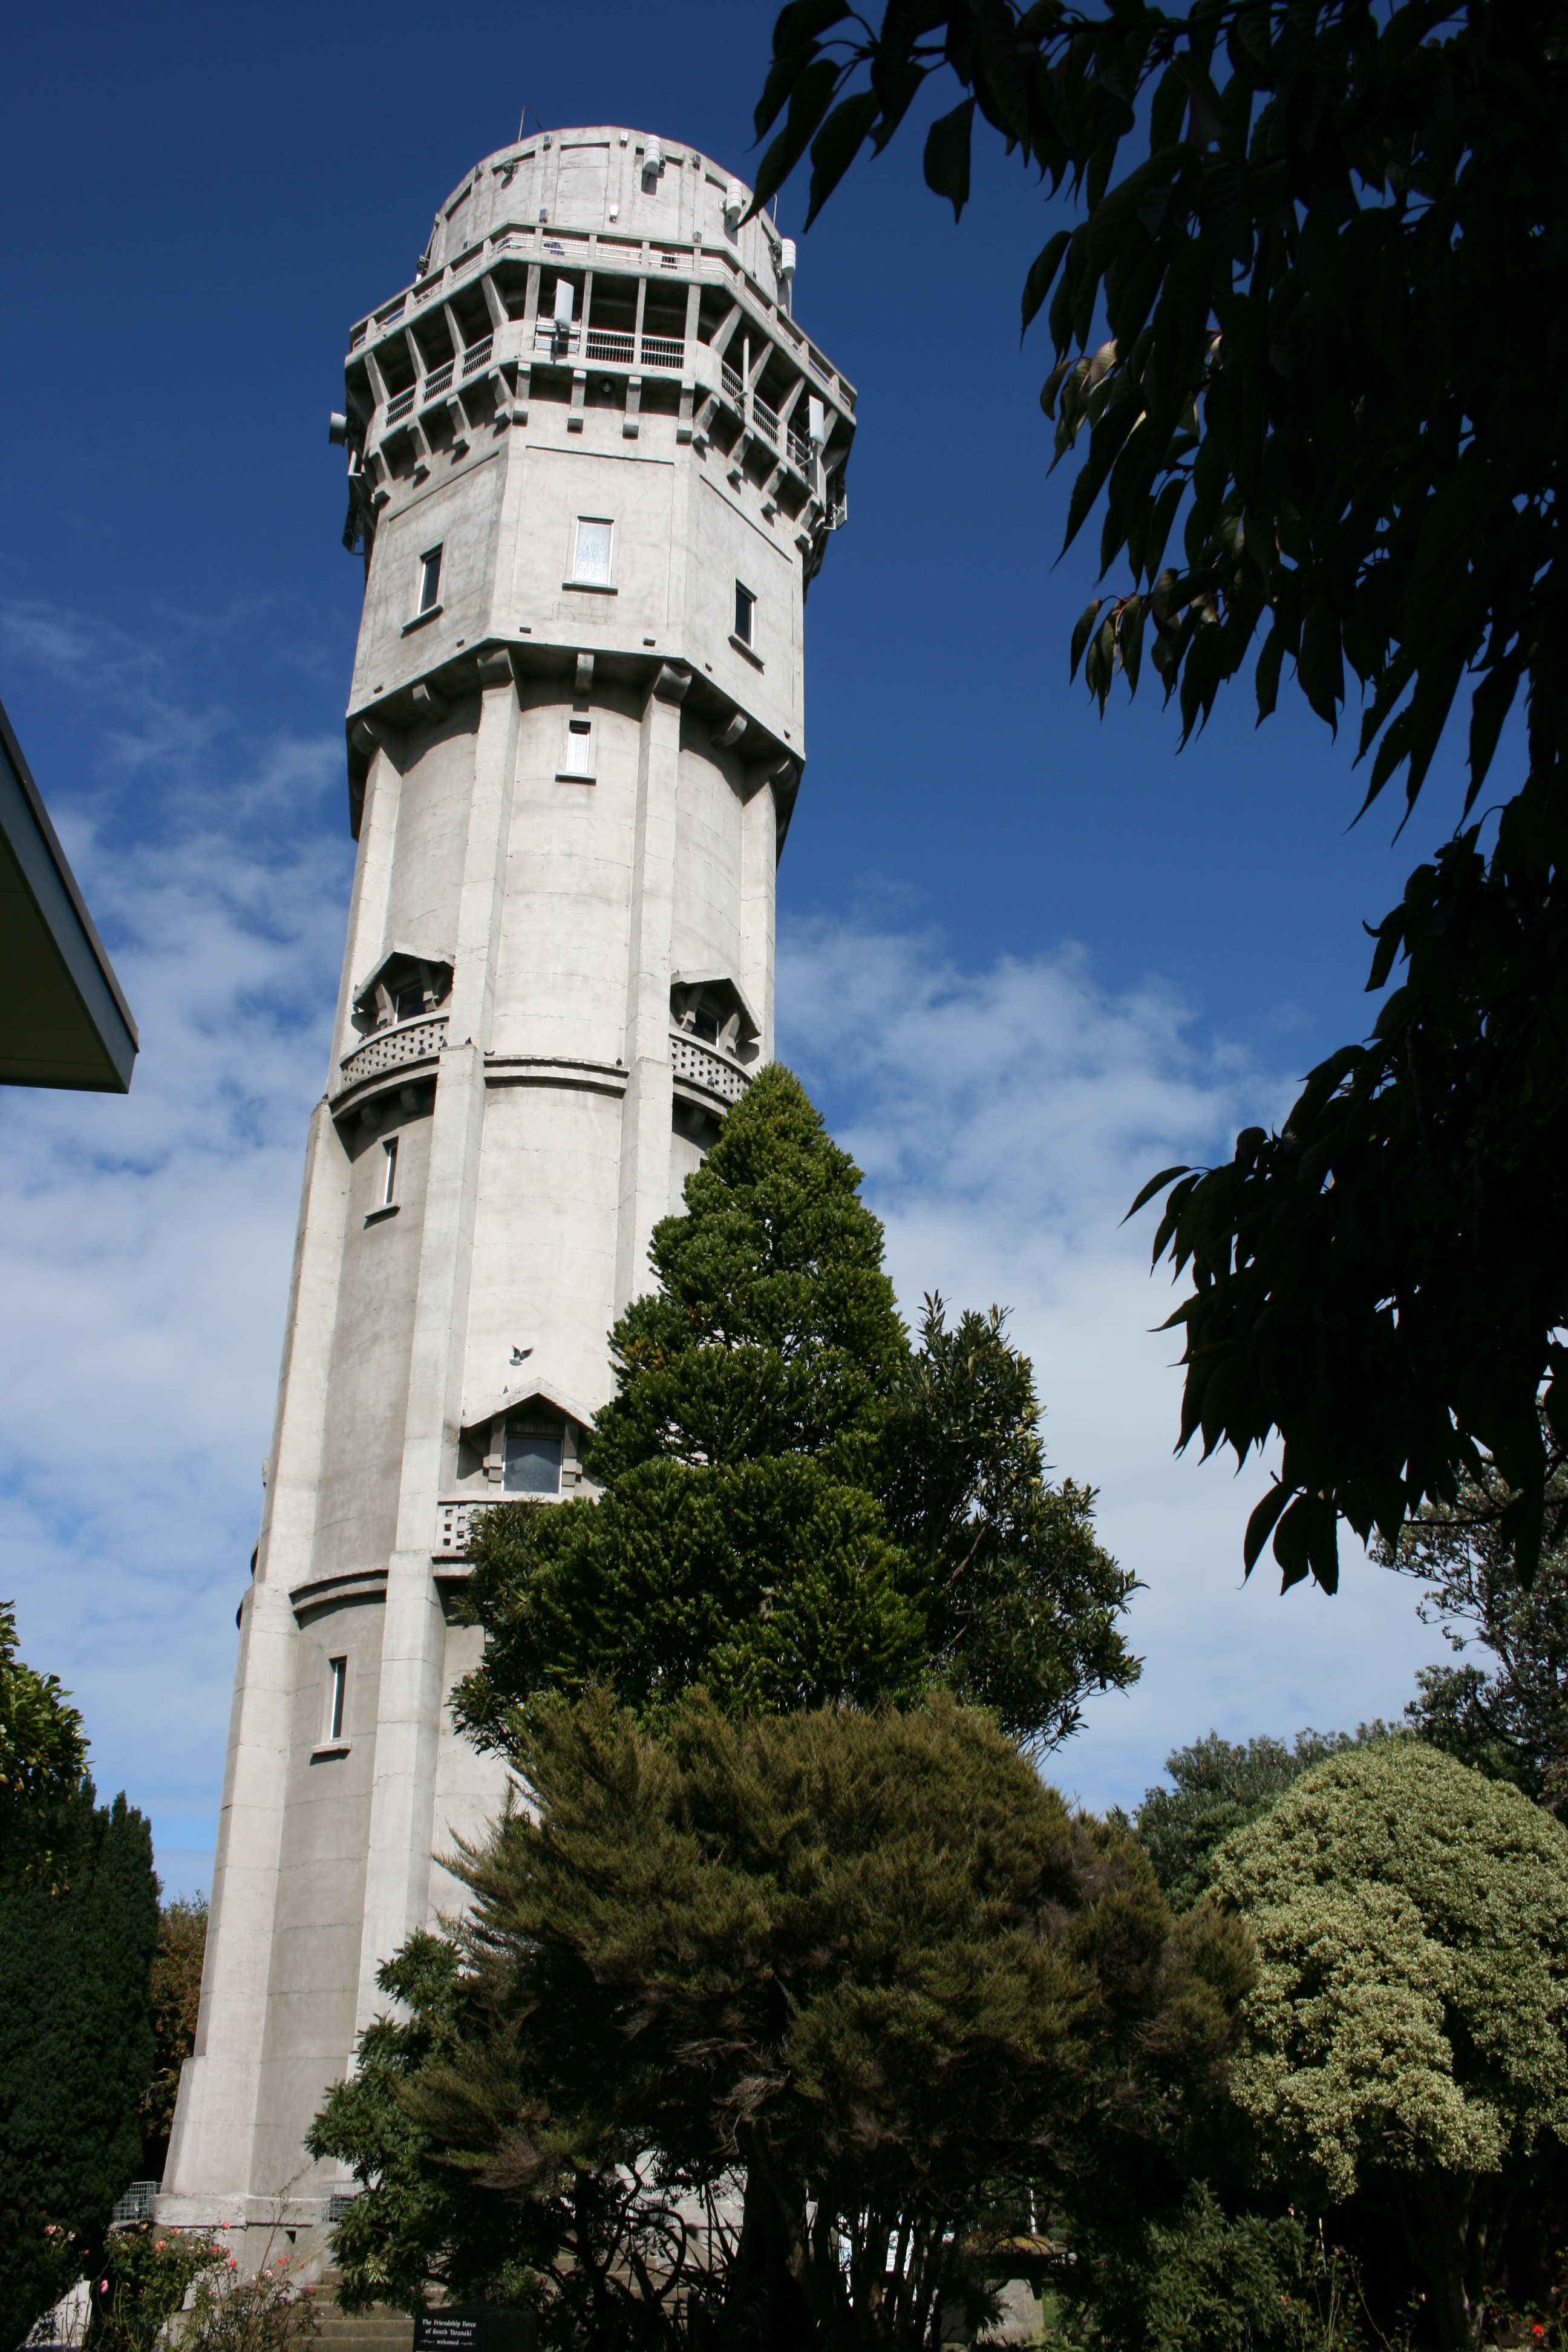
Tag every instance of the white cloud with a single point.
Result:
(144, 1256)
(1005, 1119)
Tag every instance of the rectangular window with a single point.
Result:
(591, 554)
(533, 1464)
(337, 1691)
(409, 1002)
(745, 610)
(389, 1175)
(429, 580)
(577, 752)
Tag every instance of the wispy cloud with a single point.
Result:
(1006, 1118)
(144, 1259)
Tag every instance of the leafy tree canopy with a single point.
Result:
(76, 2048)
(1407, 2026)
(1220, 1787)
(1307, 447)
(864, 1958)
(1511, 1719)
(796, 1509)
(43, 1759)
(176, 2000)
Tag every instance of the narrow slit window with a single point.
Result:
(745, 613)
(577, 754)
(533, 1464)
(429, 580)
(337, 1691)
(389, 1172)
(591, 554)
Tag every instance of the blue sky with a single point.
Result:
(1026, 956)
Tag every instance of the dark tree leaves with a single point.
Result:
(1336, 291)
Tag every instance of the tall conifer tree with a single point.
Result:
(796, 1507)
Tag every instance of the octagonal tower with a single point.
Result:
(593, 464)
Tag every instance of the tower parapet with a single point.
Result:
(595, 463)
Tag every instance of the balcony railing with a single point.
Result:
(664, 351)
(400, 407)
(435, 385)
(550, 339)
(610, 343)
(704, 1066)
(477, 355)
(766, 418)
(729, 378)
(801, 452)
(455, 1525)
(392, 1049)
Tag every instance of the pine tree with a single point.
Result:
(76, 2049)
(867, 1958)
(796, 1509)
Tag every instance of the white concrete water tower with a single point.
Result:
(593, 464)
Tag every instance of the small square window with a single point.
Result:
(409, 1002)
(389, 1173)
(337, 1693)
(590, 552)
(745, 612)
(533, 1464)
(578, 750)
(429, 579)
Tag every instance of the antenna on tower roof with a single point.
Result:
(522, 118)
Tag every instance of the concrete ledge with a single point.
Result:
(364, 1584)
(547, 1070)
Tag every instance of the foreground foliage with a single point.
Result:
(1508, 1718)
(866, 1961)
(78, 1914)
(1301, 281)
(1406, 2033)
(796, 1509)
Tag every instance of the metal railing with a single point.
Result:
(729, 378)
(435, 385)
(477, 355)
(549, 337)
(466, 261)
(801, 452)
(704, 1066)
(137, 2203)
(768, 418)
(611, 344)
(392, 1049)
(423, 291)
(400, 407)
(664, 351)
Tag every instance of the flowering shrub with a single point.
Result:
(146, 2274)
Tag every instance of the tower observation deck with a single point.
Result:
(594, 464)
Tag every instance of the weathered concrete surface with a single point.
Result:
(570, 775)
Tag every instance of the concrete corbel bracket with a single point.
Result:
(585, 680)
(372, 735)
(671, 683)
(730, 734)
(428, 702)
(495, 667)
